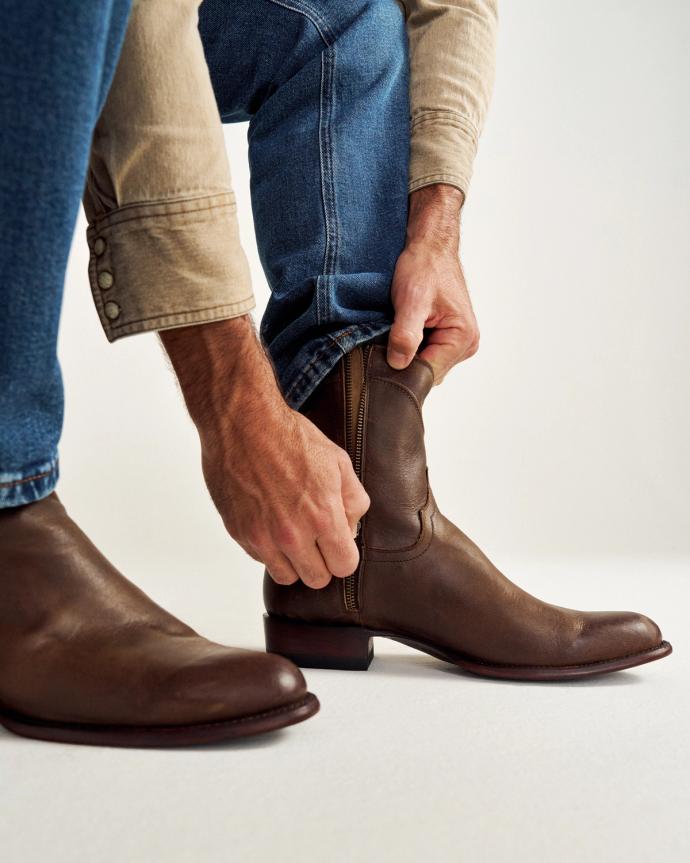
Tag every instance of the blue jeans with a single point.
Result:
(324, 87)
(56, 64)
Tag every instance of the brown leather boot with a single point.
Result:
(86, 657)
(421, 581)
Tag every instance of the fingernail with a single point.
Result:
(397, 360)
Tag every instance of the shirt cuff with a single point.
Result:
(442, 150)
(155, 266)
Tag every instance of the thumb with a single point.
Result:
(441, 358)
(443, 350)
(406, 335)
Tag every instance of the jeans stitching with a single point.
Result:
(327, 102)
(15, 482)
(311, 14)
(360, 332)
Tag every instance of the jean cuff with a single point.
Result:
(313, 363)
(30, 484)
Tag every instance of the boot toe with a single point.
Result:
(282, 682)
(614, 635)
(229, 683)
(641, 632)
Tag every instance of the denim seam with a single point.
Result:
(310, 14)
(330, 208)
(303, 379)
(326, 153)
(314, 360)
(27, 479)
(340, 336)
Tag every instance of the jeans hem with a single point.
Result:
(299, 384)
(38, 480)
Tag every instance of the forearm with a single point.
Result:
(434, 217)
(225, 376)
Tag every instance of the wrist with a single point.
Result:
(434, 217)
(225, 377)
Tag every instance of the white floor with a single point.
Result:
(412, 761)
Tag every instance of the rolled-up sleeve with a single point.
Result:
(452, 63)
(163, 233)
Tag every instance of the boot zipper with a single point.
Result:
(354, 448)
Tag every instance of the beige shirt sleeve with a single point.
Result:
(452, 62)
(163, 233)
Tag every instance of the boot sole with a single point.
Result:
(351, 648)
(138, 736)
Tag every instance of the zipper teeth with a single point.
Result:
(359, 434)
(355, 451)
(348, 403)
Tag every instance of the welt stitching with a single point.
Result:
(576, 665)
(276, 711)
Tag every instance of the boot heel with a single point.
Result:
(311, 645)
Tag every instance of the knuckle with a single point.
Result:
(322, 523)
(286, 535)
(254, 538)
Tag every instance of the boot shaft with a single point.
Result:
(374, 413)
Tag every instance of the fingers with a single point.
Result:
(309, 532)
(328, 547)
(355, 499)
(448, 347)
(406, 333)
(339, 549)
(309, 563)
(280, 569)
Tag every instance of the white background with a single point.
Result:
(562, 448)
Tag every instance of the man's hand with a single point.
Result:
(285, 492)
(429, 290)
